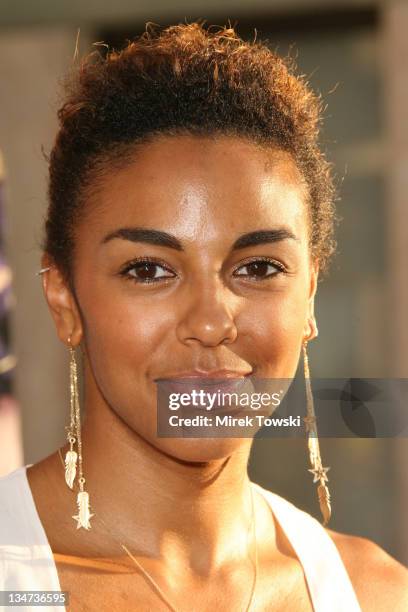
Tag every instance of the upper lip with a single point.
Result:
(223, 373)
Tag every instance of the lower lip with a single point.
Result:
(208, 385)
(187, 385)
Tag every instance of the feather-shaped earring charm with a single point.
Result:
(70, 467)
(84, 512)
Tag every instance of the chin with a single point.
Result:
(200, 450)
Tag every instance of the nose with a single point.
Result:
(207, 316)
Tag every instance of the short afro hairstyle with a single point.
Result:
(191, 79)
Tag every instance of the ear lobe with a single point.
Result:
(313, 331)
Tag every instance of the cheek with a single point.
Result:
(124, 339)
(275, 329)
(124, 342)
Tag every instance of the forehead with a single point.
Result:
(204, 186)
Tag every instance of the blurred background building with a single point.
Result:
(11, 447)
(355, 53)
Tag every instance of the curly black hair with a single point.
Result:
(182, 79)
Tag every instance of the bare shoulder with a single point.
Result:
(379, 580)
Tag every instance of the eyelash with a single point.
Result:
(133, 264)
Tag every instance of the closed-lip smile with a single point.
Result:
(217, 374)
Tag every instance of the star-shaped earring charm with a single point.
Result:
(319, 473)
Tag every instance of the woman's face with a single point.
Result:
(193, 256)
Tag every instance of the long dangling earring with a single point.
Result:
(71, 457)
(319, 472)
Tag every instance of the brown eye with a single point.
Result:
(147, 271)
(260, 269)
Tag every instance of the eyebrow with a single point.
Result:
(140, 234)
(152, 236)
(263, 237)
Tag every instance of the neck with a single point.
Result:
(195, 514)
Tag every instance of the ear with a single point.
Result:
(62, 303)
(310, 330)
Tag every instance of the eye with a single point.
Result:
(261, 269)
(146, 271)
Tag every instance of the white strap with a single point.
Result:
(326, 576)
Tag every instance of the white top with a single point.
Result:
(27, 563)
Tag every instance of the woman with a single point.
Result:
(190, 215)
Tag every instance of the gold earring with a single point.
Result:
(71, 457)
(319, 472)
